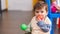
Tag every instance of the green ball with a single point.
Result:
(23, 26)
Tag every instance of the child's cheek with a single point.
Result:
(36, 14)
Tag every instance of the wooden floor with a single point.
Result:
(12, 19)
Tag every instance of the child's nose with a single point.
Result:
(39, 13)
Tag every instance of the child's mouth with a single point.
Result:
(40, 17)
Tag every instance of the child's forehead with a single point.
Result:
(38, 9)
(41, 8)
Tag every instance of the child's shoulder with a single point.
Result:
(34, 17)
(47, 20)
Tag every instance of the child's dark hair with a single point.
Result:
(41, 0)
(40, 5)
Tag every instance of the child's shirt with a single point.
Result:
(35, 28)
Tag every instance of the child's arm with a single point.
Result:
(29, 28)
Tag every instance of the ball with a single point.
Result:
(23, 26)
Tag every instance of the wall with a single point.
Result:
(20, 5)
(3, 4)
(58, 2)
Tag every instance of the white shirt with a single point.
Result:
(36, 29)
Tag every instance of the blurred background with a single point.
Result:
(15, 12)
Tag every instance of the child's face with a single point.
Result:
(42, 12)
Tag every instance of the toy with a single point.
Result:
(53, 9)
(44, 27)
(40, 17)
(23, 26)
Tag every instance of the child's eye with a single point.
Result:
(42, 11)
(37, 11)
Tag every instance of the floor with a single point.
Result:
(12, 19)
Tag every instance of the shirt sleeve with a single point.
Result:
(29, 28)
(49, 23)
